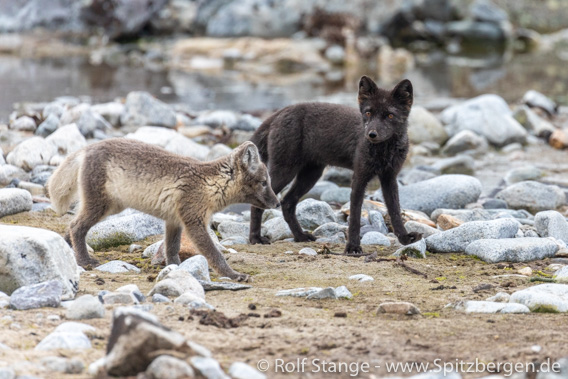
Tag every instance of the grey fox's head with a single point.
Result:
(255, 185)
(384, 112)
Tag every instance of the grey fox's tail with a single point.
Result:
(63, 184)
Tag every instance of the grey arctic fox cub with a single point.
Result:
(115, 174)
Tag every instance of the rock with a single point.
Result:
(111, 112)
(236, 240)
(197, 266)
(217, 151)
(425, 230)
(115, 267)
(177, 282)
(522, 174)
(536, 99)
(561, 276)
(456, 240)
(142, 109)
(135, 337)
(416, 175)
(67, 139)
(308, 251)
(119, 298)
(170, 140)
(240, 370)
(377, 221)
(336, 54)
(151, 250)
(64, 365)
(338, 175)
(313, 213)
(494, 204)
(478, 214)
(401, 308)
(326, 293)
(336, 195)
(276, 229)
(208, 368)
(46, 294)
(7, 373)
(512, 249)
(91, 121)
(320, 187)
(490, 307)
(423, 126)
(465, 140)
(546, 298)
(375, 238)
(361, 277)
(124, 229)
(487, 11)
(330, 229)
(299, 292)
(559, 139)
(446, 191)
(31, 152)
(532, 196)
(157, 298)
(343, 293)
(500, 297)
(232, 229)
(85, 307)
(460, 164)
(216, 286)
(526, 271)
(24, 123)
(169, 367)
(10, 172)
(338, 238)
(68, 335)
(473, 32)
(217, 118)
(551, 224)
(446, 222)
(488, 116)
(539, 126)
(14, 200)
(416, 249)
(32, 255)
(192, 301)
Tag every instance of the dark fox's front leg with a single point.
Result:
(353, 246)
(389, 186)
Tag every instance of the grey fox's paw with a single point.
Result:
(352, 249)
(242, 278)
(305, 237)
(409, 238)
(258, 239)
(89, 261)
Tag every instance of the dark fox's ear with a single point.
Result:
(367, 88)
(250, 158)
(403, 93)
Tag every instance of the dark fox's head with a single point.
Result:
(255, 185)
(384, 112)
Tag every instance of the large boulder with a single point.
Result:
(512, 249)
(423, 126)
(533, 196)
(31, 255)
(171, 141)
(32, 152)
(142, 109)
(14, 200)
(488, 116)
(551, 224)
(314, 213)
(548, 297)
(446, 191)
(67, 139)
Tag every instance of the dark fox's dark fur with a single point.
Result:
(299, 141)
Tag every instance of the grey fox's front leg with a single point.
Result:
(198, 234)
(172, 244)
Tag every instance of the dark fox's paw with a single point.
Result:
(242, 278)
(352, 249)
(304, 237)
(409, 238)
(86, 262)
(258, 239)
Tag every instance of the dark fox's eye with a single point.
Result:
(264, 183)
(368, 114)
(391, 115)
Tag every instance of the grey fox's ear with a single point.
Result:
(403, 93)
(250, 157)
(367, 87)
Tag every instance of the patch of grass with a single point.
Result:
(431, 314)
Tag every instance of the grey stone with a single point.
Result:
(170, 140)
(125, 298)
(338, 238)
(64, 365)
(167, 367)
(561, 276)
(23, 123)
(197, 266)
(533, 196)
(48, 126)
(46, 294)
(10, 172)
(423, 126)
(335, 53)
(338, 175)
(512, 249)
(330, 229)
(336, 195)
(487, 11)
(189, 299)
(522, 174)
(477, 214)
(314, 213)
(85, 307)
(41, 174)
(500, 297)
(472, 32)
(460, 164)
(230, 286)
(151, 250)
(31, 152)
(446, 191)
(416, 175)
(91, 121)
(457, 239)
(308, 251)
(277, 229)
(177, 282)
(67, 139)
(361, 278)
(218, 218)
(326, 293)
(343, 293)
(247, 123)
(73, 327)
(217, 151)
(208, 367)
(377, 221)
(115, 267)
(418, 227)
(240, 370)
(486, 115)
(464, 141)
(401, 307)
(7, 373)
(64, 340)
(142, 109)
(548, 297)
(110, 111)
(299, 292)
(551, 224)
(124, 229)
(233, 229)
(319, 188)
(375, 238)
(157, 298)
(32, 255)
(491, 307)
(494, 204)
(14, 200)
(217, 118)
(236, 240)
(536, 99)
(416, 249)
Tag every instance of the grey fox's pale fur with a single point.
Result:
(115, 174)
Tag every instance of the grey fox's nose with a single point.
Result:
(372, 134)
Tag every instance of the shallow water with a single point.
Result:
(436, 75)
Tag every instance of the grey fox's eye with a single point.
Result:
(368, 114)
(391, 115)
(264, 183)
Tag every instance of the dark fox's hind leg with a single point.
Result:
(307, 177)
(280, 177)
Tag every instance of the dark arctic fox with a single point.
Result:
(301, 140)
